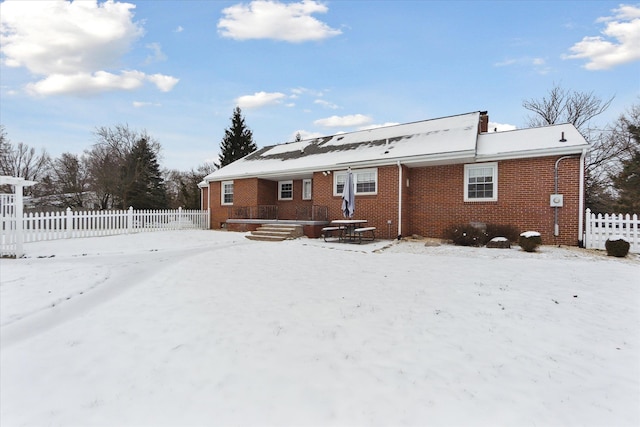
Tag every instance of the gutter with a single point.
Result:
(581, 200)
(399, 200)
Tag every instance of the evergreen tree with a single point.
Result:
(627, 182)
(237, 141)
(143, 182)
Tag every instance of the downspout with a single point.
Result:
(556, 226)
(581, 201)
(399, 200)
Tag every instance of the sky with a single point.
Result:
(177, 69)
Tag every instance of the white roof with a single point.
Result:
(445, 140)
(533, 142)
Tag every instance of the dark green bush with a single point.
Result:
(617, 247)
(498, 230)
(529, 241)
(478, 234)
(466, 235)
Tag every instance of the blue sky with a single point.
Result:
(177, 69)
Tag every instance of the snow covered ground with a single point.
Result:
(209, 328)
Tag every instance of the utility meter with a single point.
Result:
(556, 200)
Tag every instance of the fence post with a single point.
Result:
(587, 234)
(68, 232)
(180, 218)
(130, 220)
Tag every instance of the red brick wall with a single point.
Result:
(287, 208)
(436, 197)
(376, 209)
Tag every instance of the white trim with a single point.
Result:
(223, 193)
(355, 173)
(494, 178)
(280, 184)
(304, 184)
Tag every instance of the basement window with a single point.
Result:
(481, 182)
(227, 193)
(285, 190)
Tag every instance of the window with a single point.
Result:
(227, 193)
(481, 182)
(285, 190)
(306, 189)
(366, 181)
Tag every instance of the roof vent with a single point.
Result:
(562, 138)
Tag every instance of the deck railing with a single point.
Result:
(253, 212)
(302, 213)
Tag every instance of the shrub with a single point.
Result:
(498, 230)
(617, 246)
(499, 243)
(466, 235)
(529, 241)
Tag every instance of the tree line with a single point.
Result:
(121, 168)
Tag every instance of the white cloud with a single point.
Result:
(619, 44)
(140, 104)
(157, 55)
(326, 104)
(86, 83)
(539, 65)
(71, 44)
(164, 83)
(268, 19)
(259, 99)
(344, 121)
(179, 29)
(500, 127)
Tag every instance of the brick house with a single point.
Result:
(414, 178)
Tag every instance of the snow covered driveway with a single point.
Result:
(208, 328)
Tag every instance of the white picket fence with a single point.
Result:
(599, 228)
(71, 224)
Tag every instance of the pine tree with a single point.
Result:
(237, 141)
(627, 182)
(144, 183)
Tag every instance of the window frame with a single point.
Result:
(280, 185)
(223, 193)
(305, 183)
(494, 181)
(356, 173)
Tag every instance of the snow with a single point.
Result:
(437, 139)
(617, 237)
(530, 234)
(499, 239)
(207, 327)
(530, 141)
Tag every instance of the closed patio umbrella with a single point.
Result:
(348, 196)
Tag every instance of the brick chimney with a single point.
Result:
(483, 126)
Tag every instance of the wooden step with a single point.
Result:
(276, 232)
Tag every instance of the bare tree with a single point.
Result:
(22, 161)
(565, 106)
(107, 160)
(182, 187)
(71, 180)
